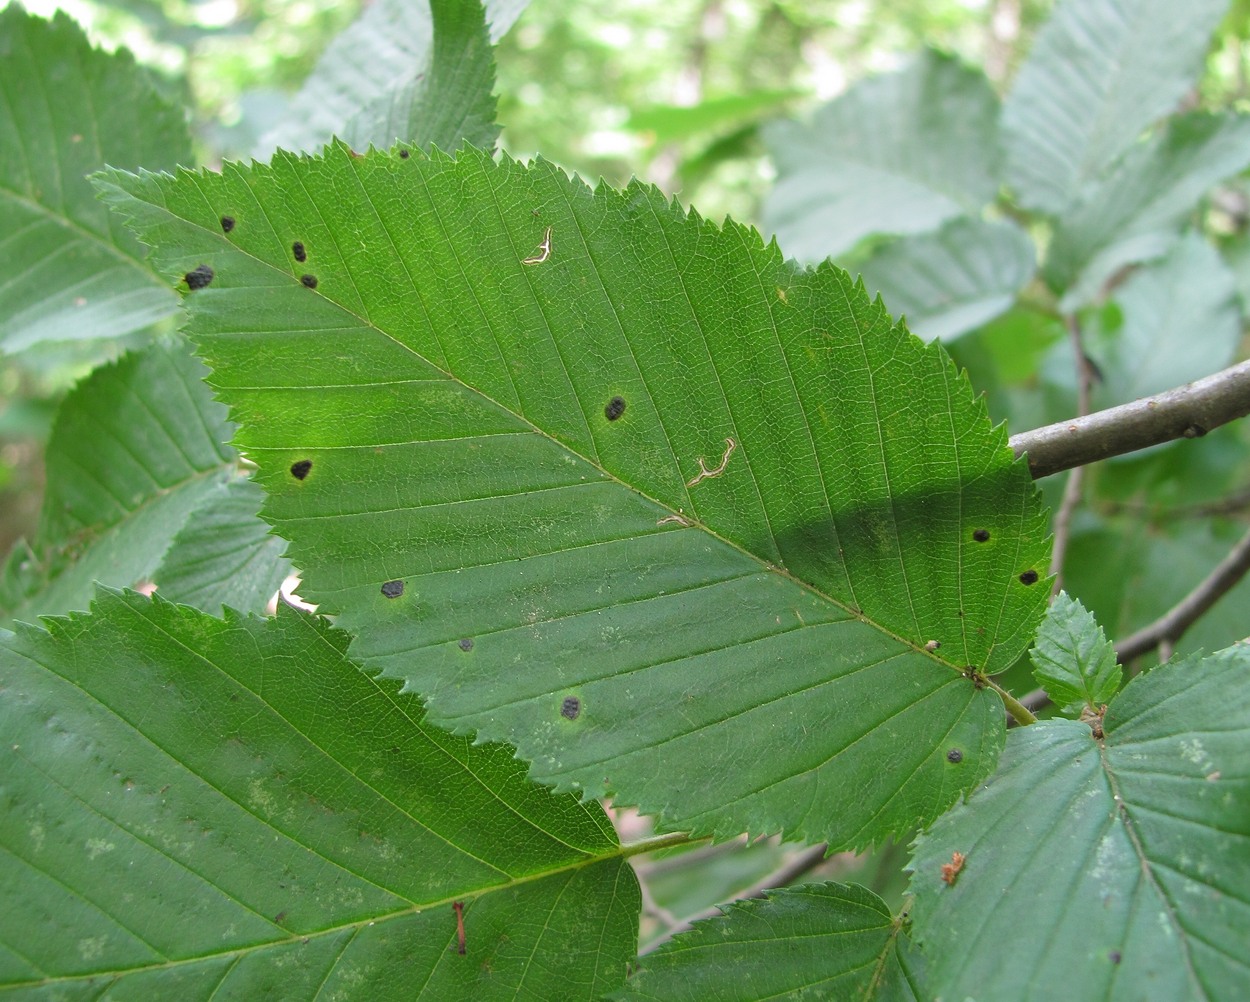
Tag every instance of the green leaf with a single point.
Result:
(190, 813)
(715, 607)
(1179, 320)
(1100, 72)
(1072, 658)
(819, 941)
(418, 72)
(68, 270)
(136, 458)
(669, 123)
(899, 153)
(952, 281)
(1134, 212)
(1130, 857)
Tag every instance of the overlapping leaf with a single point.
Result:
(69, 270)
(1073, 658)
(899, 153)
(952, 281)
(198, 808)
(143, 489)
(820, 941)
(1130, 856)
(683, 522)
(1100, 72)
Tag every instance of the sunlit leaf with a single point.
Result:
(1130, 856)
(1099, 73)
(190, 813)
(819, 941)
(683, 522)
(69, 270)
(952, 281)
(898, 153)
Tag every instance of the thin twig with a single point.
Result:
(1072, 490)
(1172, 624)
(1188, 411)
(797, 866)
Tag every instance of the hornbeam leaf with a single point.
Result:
(1125, 842)
(68, 270)
(819, 941)
(192, 813)
(683, 522)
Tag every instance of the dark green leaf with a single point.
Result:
(820, 941)
(899, 153)
(1072, 658)
(716, 606)
(1100, 72)
(952, 281)
(1119, 866)
(192, 813)
(69, 270)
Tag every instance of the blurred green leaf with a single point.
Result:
(715, 603)
(1099, 73)
(1129, 856)
(668, 123)
(1134, 213)
(418, 72)
(190, 813)
(69, 270)
(1072, 658)
(898, 153)
(138, 474)
(1179, 320)
(818, 941)
(952, 281)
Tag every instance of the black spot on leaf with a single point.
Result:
(310, 281)
(1028, 577)
(393, 589)
(466, 644)
(615, 408)
(1114, 956)
(299, 470)
(404, 154)
(981, 535)
(199, 277)
(954, 755)
(227, 223)
(301, 255)
(571, 707)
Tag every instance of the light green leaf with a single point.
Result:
(1130, 857)
(819, 941)
(1100, 72)
(190, 813)
(69, 270)
(420, 72)
(1134, 212)
(952, 281)
(1179, 320)
(1072, 658)
(669, 123)
(136, 454)
(715, 607)
(899, 153)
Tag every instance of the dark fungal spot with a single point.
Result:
(404, 154)
(466, 644)
(570, 708)
(393, 589)
(199, 277)
(299, 470)
(1028, 577)
(981, 535)
(227, 223)
(954, 755)
(310, 281)
(1114, 956)
(297, 249)
(280, 918)
(615, 408)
